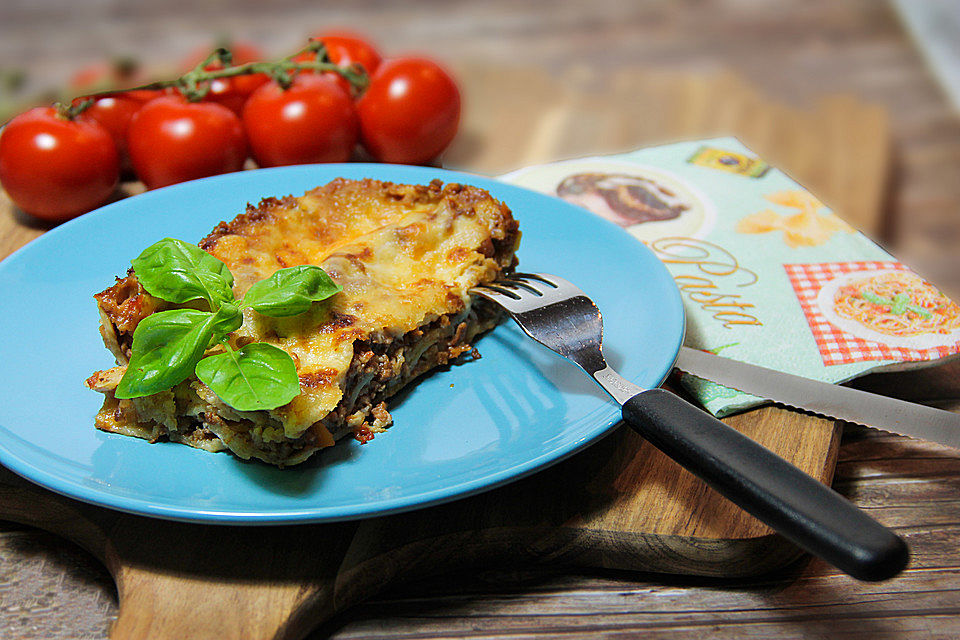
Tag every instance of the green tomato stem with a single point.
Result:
(68, 111)
(195, 84)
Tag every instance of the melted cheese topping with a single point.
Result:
(404, 255)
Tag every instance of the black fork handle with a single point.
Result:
(803, 510)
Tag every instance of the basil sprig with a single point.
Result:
(169, 346)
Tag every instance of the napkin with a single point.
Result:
(768, 274)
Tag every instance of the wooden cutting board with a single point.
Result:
(620, 504)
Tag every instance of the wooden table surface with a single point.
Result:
(794, 52)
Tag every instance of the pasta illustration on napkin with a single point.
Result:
(768, 274)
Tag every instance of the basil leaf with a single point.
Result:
(257, 376)
(177, 271)
(166, 347)
(291, 291)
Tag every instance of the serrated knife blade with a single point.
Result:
(823, 398)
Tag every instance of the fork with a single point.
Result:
(560, 316)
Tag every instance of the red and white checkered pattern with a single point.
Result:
(837, 346)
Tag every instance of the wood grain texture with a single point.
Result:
(796, 51)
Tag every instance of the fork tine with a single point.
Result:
(507, 299)
(496, 290)
(561, 287)
(531, 282)
(541, 277)
(521, 285)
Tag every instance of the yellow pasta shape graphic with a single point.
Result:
(806, 228)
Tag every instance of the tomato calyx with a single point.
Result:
(71, 110)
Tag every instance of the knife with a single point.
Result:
(823, 398)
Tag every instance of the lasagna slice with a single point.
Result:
(406, 257)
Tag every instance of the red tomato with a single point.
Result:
(55, 168)
(114, 114)
(312, 121)
(234, 92)
(410, 111)
(345, 47)
(172, 140)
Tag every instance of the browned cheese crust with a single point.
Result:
(406, 257)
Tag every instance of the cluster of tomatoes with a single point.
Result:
(55, 164)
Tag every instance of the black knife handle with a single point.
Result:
(803, 510)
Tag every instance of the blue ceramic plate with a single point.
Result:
(457, 432)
